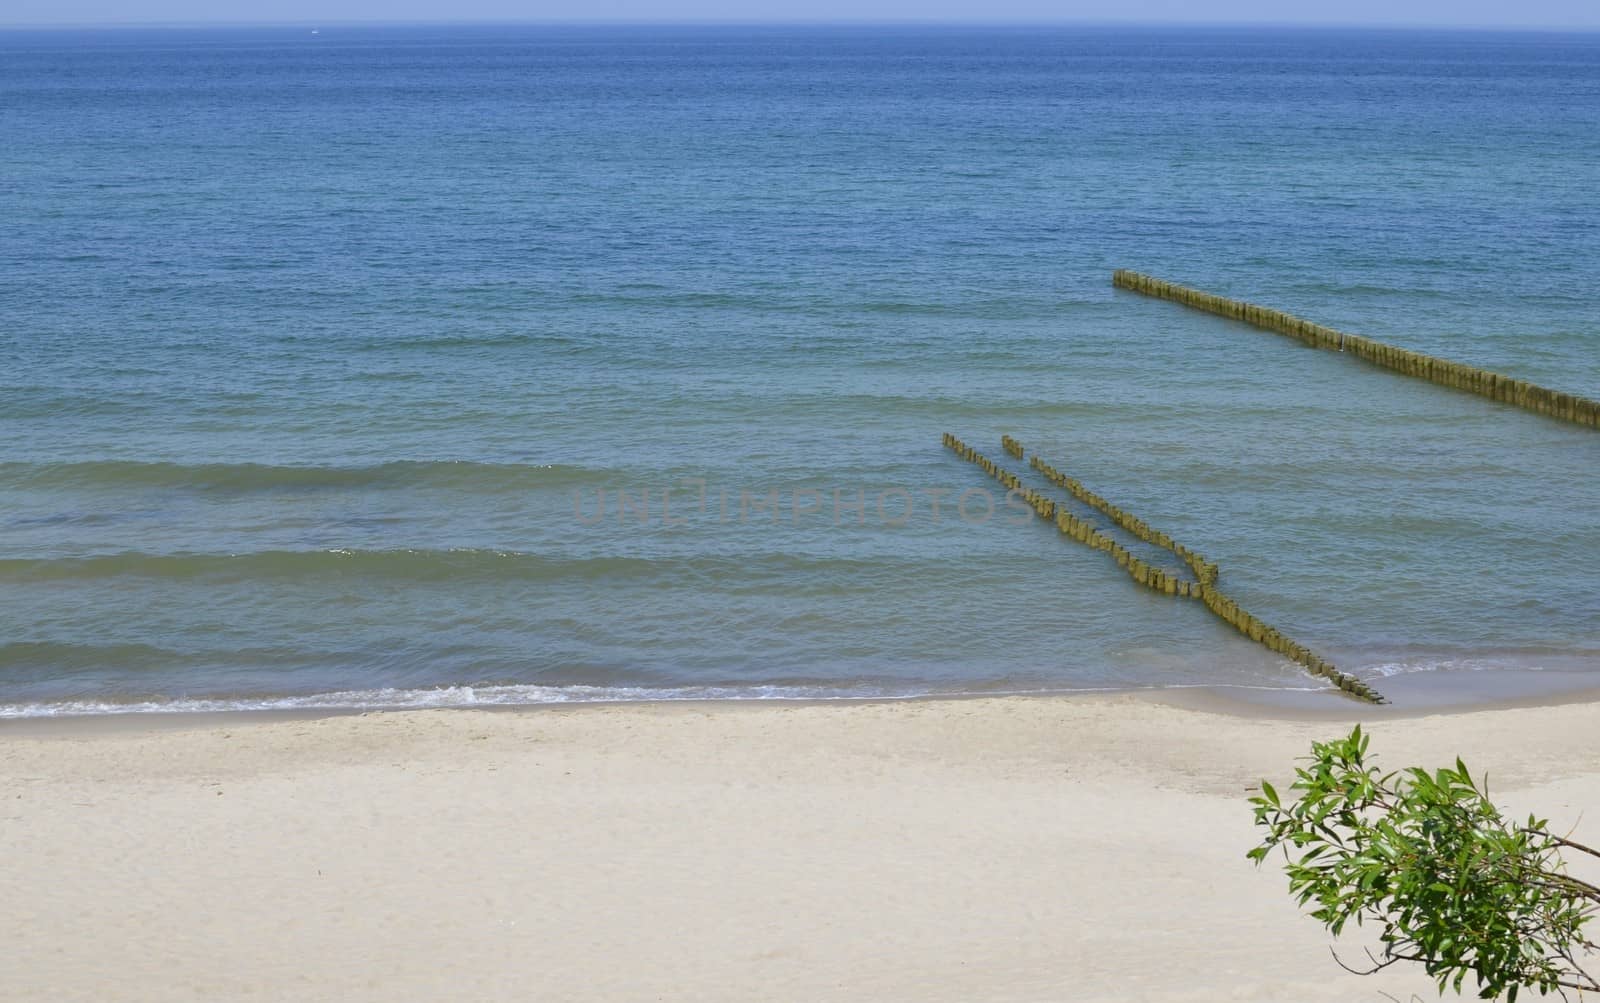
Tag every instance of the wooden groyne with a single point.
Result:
(1203, 587)
(1205, 572)
(1521, 393)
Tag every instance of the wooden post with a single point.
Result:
(1563, 406)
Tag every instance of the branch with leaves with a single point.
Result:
(1432, 864)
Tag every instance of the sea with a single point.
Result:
(395, 366)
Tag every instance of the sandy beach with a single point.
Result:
(995, 849)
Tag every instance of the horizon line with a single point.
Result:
(863, 22)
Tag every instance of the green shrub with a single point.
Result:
(1430, 862)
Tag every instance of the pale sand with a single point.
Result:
(972, 850)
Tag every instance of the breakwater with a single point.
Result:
(1203, 585)
(1495, 386)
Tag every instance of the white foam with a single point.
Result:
(531, 695)
(1385, 670)
(448, 696)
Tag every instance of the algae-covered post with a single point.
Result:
(1147, 574)
(1563, 406)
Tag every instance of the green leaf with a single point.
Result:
(1271, 794)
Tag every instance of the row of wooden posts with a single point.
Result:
(1146, 574)
(1205, 572)
(1531, 396)
(988, 466)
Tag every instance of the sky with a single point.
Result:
(1582, 14)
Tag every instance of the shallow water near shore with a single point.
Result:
(334, 359)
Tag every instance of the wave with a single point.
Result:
(404, 564)
(57, 657)
(532, 695)
(451, 696)
(1343, 289)
(1556, 661)
(468, 341)
(994, 309)
(250, 477)
(786, 302)
(462, 564)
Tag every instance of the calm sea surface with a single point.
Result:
(321, 352)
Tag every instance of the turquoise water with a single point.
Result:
(322, 350)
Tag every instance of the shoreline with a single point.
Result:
(976, 848)
(1423, 694)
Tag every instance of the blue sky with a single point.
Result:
(1457, 13)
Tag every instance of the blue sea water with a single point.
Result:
(323, 351)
